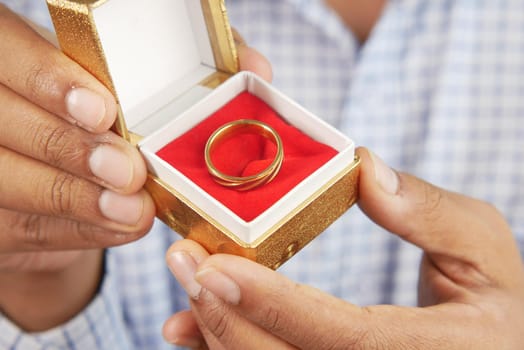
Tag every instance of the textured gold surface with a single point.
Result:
(220, 35)
(78, 38)
(76, 3)
(280, 242)
(310, 220)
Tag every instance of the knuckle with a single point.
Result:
(41, 78)
(431, 202)
(218, 319)
(371, 340)
(361, 339)
(426, 209)
(366, 338)
(52, 143)
(89, 235)
(338, 341)
(381, 334)
(34, 230)
(62, 194)
(375, 341)
(273, 316)
(371, 335)
(272, 320)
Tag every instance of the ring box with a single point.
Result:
(171, 64)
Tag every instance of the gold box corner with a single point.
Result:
(278, 244)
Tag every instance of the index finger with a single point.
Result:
(310, 319)
(38, 71)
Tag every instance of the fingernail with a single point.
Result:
(112, 166)
(127, 210)
(386, 177)
(219, 284)
(86, 107)
(184, 266)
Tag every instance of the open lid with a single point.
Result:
(148, 53)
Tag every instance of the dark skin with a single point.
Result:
(472, 279)
(48, 244)
(471, 286)
(59, 208)
(53, 222)
(471, 290)
(359, 16)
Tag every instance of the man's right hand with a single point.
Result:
(67, 183)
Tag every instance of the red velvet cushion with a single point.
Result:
(246, 155)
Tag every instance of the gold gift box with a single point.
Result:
(172, 63)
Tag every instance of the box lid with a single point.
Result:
(148, 53)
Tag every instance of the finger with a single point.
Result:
(212, 342)
(252, 60)
(468, 239)
(277, 311)
(38, 71)
(103, 158)
(220, 325)
(311, 319)
(223, 328)
(21, 232)
(182, 329)
(188, 254)
(35, 188)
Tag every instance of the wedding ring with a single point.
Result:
(237, 127)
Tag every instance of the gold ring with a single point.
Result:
(244, 126)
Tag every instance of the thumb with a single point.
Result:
(465, 237)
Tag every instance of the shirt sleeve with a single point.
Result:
(101, 325)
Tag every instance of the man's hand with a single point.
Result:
(471, 283)
(68, 186)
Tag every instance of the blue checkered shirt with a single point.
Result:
(438, 91)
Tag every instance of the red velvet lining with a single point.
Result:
(245, 155)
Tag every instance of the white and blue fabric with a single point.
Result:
(437, 91)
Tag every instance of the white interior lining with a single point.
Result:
(156, 49)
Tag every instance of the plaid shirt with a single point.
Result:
(437, 90)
